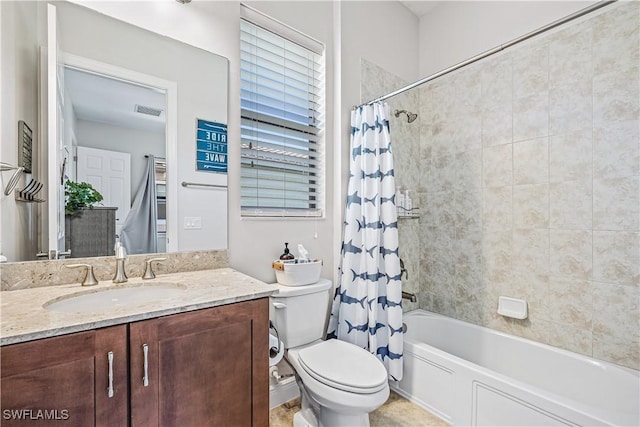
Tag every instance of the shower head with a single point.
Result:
(410, 116)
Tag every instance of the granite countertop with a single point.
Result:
(23, 318)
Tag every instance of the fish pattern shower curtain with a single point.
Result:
(367, 306)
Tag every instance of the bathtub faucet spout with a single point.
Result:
(411, 297)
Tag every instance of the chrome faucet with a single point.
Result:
(148, 270)
(89, 278)
(121, 256)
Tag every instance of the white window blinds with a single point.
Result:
(281, 141)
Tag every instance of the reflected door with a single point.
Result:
(109, 172)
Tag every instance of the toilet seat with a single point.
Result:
(344, 366)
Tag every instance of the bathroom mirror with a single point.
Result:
(192, 82)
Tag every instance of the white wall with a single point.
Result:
(201, 79)
(454, 31)
(215, 26)
(19, 102)
(136, 142)
(254, 243)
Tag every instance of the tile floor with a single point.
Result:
(396, 412)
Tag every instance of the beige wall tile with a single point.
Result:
(530, 71)
(441, 173)
(497, 162)
(617, 350)
(570, 338)
(531, 206)
(616, 96)
(531, 117)
(497, 211)
(468, 170)
(616, 311)
(570, 205)
(570, 157)
(496, 76)
(531, 251)
(531, 162)
(468, 135)
(497, 256)
(616, 203)
(615, 39)
(571, 302)
(570, 253)
(468, 207)
(570, 107)
(616, 257)
(616, 149)
(467, 248)
(534, 289)
(497, 124)
(570, 55)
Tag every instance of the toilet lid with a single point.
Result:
(344, 366)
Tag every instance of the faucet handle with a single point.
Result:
(148, 270)
(89, 278)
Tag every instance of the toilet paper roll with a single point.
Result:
(275, 344)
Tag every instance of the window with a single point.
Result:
(281, 123)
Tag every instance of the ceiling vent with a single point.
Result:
(150, 111)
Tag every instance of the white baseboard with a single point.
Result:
(283, 392)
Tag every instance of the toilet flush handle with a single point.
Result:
(279, 305)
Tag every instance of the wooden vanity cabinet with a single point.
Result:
(65, 380)
(203, 368)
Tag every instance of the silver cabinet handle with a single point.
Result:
(145, 378)
(110, 389)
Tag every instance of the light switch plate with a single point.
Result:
(192, 222)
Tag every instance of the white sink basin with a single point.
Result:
(115, 297)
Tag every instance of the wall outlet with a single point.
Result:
(192, 222)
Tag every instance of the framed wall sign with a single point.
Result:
(211, 146)
(25, 146)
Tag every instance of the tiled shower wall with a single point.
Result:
(530, 164)
(529, 186)
(405, 143)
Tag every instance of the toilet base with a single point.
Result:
(328, 418)
(305, 418)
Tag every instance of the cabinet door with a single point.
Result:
(204, 368)
(112, 376)
(64, 378)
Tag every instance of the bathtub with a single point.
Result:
(470, 375)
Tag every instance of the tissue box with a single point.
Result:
(293, 273)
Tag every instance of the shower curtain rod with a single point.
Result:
(496, 49)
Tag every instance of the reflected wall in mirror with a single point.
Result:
(116, 132)
(200, 79)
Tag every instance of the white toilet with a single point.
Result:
(343, 382)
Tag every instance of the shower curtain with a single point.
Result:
(139, 233)
(367, 306)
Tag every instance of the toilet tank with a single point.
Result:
(299, 312)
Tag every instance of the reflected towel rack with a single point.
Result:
(197, 184)
(13, 181)
(28, 193)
